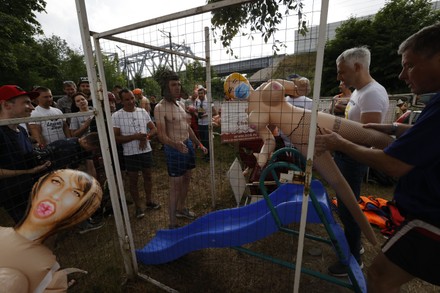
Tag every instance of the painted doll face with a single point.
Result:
(236, 86)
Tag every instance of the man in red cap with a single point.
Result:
(16, 165)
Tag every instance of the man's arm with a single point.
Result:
(37, 134)
(66, 129)
(374, 158)
(7, 173)
(152, 128)
(127, 138)
(196, 141)
(396, 129)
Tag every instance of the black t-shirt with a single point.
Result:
(15, 154)
(67, 153)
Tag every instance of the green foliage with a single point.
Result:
(151, 87)
(261, 16)
(382, 35)
(113, 75)
(18, 25)
(217, 91)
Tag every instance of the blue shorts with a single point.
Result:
(414, 248)
(178, 163)
(138, 162)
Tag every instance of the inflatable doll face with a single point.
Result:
(58, 197)
(236, 86)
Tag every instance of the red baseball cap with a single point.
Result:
(8, 92)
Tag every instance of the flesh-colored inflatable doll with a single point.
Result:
(267, 106)
(58, 201)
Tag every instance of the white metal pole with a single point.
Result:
(312, 133)
(113, 168)
(209, 98)
(103, 138)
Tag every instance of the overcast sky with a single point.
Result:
(61, 17)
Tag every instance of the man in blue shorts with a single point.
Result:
(412, 252)
(177, 136)
(133, 129)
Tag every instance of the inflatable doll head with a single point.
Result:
(61, 199)
(236, 86)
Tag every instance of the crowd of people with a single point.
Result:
(183, 126)
(36, 148)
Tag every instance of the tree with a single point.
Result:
(261, 16)
(382, 34)
(151, 87)
(18, 25)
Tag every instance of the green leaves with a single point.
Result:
(259, 16)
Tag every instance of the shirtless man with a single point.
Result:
(178, 138)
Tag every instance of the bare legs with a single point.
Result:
(178, 193)
(146, 174)
(133, 178)
(384, 276)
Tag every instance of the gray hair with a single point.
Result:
(425, 42)
(360, 55)
(303, 86)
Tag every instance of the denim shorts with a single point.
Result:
(178, 163)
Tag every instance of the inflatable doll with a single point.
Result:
(267, 106)
(59, 200)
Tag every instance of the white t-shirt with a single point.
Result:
(130, 123)
(372, 98)
(51, 130)
(301, 101)
(202, 107)
(76, 122)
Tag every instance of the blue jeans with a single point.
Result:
(354, 173)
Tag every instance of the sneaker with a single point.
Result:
(140, 213)
(340, 270)
(87, 227)
(185, 213)
(153, 206)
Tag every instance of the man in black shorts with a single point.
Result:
(133, 129)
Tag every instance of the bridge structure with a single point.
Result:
(146, 62)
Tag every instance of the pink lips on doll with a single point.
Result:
(45, 209)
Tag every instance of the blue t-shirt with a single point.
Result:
(418, 192)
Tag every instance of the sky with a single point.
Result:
(61, 18)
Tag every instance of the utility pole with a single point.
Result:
(171, 46)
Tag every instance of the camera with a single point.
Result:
(40, 156)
